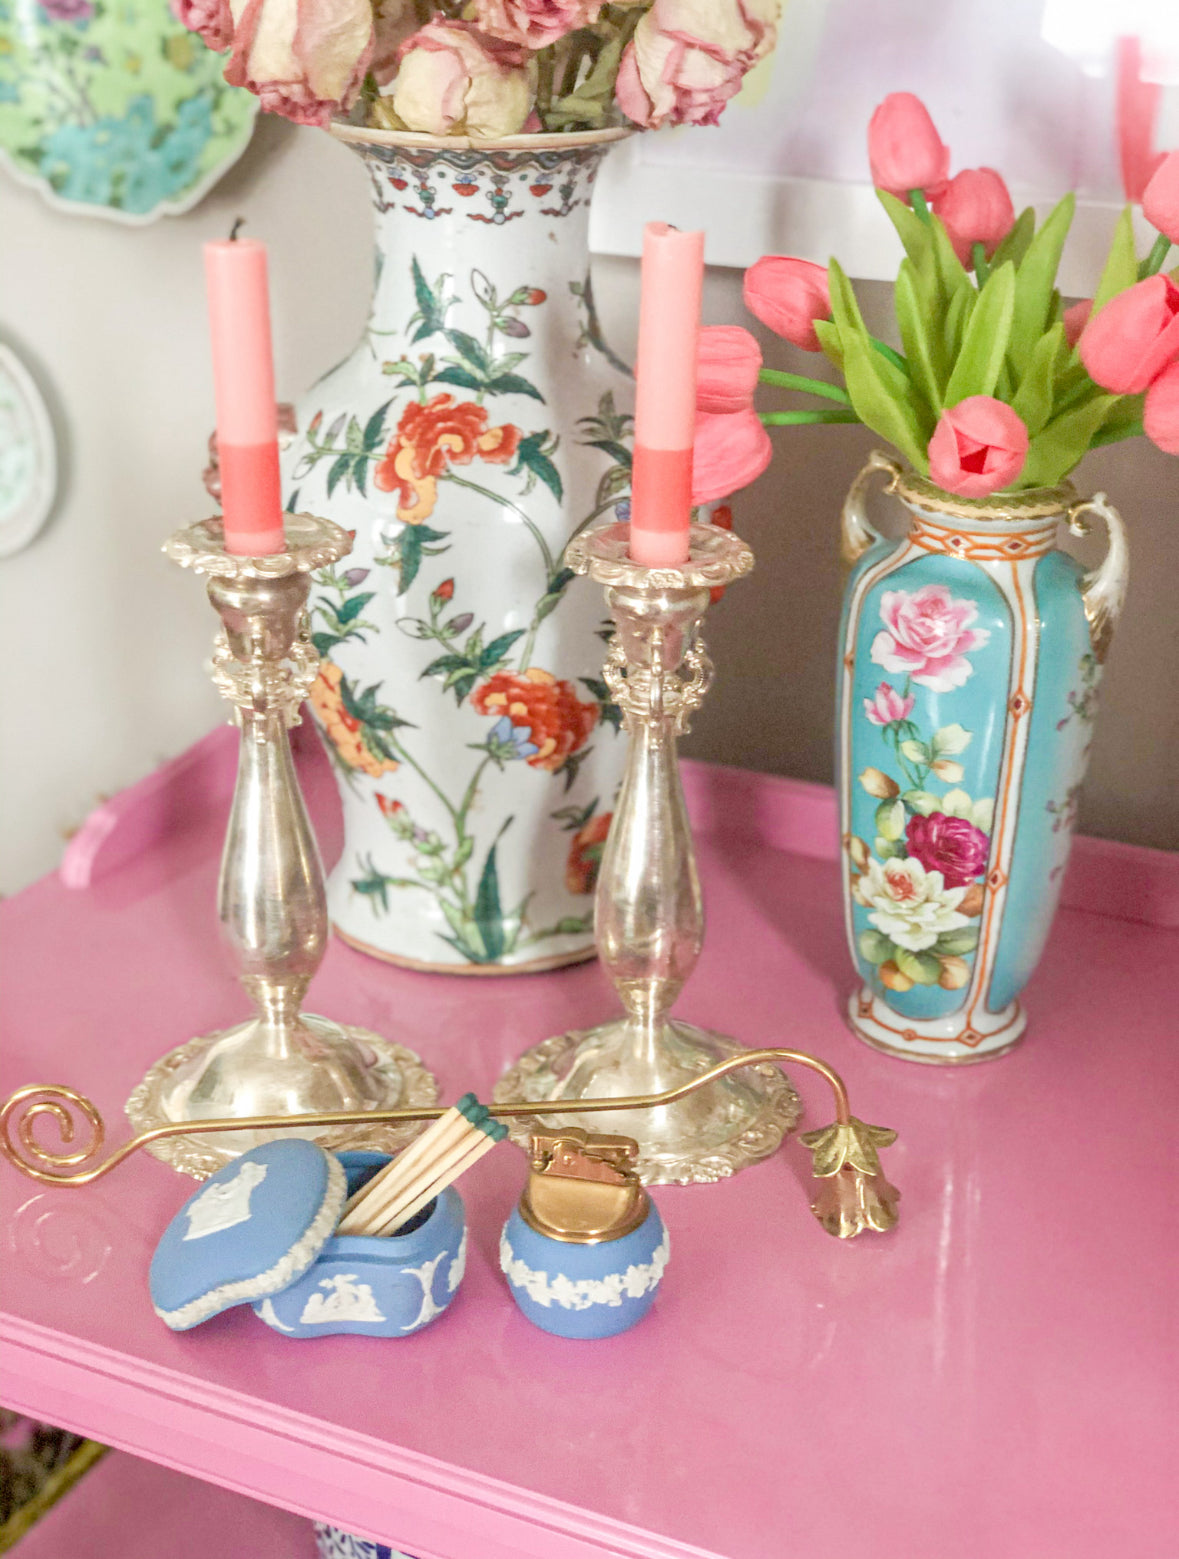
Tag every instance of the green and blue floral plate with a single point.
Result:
(111, 107)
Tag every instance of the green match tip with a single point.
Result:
(496, 1130)
(467, 1101)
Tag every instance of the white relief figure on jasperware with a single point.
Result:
(637, 1280)
(345, 1300)
(223, 1206)
(458, 1266)
(425, 1276)
(269, 1314)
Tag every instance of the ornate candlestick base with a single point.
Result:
(271, 900)
(649, 920)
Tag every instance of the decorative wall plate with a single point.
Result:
(111, 107)
(28, 460)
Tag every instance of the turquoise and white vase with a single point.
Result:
(971, 653)
(479, 424)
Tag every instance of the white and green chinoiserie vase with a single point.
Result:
(478, 425)
(971, 652)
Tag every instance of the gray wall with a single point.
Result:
(106, 643)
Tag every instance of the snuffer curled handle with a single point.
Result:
(1103, 589)
(844, 1153)
(856, 534)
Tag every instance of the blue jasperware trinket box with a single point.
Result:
(261, 1231)
(585, 1250)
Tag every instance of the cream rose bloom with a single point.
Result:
(304, 59)
(910, 905)
(455, 80)
(689, 57)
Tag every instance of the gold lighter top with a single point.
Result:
(584, 1187)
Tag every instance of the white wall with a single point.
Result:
(106, 642)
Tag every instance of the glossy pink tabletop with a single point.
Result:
(996, 1379)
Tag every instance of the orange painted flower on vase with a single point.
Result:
(344, 731)
(431, 437)
(585, 854)
(557, 721)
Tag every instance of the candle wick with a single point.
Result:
(239, 223)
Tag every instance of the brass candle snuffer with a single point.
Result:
(853, 1193)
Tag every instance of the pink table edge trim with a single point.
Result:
(361, 1479)
(1104, 876)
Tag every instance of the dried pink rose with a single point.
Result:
(213, 19)
(453, 79)
(534, 24)
(304, 59)
(689, 57)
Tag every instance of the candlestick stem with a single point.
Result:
(270, 898)
(649, 917)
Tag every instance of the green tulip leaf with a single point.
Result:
(1015, 245)
(1035, 282)
(984, 343)
(884, 399)
(957, 317)
(1034, 399)
(1121, 267)
(845, 311)
(916, 235)
(919, 336)
(1124, 421)
(875, 946)
(830, 340)
(1058, 446)
(921, 968)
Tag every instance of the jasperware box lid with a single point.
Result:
(252, 1229)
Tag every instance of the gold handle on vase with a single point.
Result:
(1103, 589)
(856, 534)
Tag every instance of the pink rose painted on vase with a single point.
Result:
(950, 845)
(927, 635)
(886, 706)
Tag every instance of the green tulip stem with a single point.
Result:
(919, 204)
(794, 419)
(787, 381)
(1115, 435)
(892, 354)
(1154, 260)
(978, 256)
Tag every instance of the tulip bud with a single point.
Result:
(1160, 417)
(789, 295)
(975, 208)
(1128, 343)
(893, 978)
(972, 900)
(978, 447)
(878, 784)
(1076, 317)
(904, 148)
(955, 973)
(728, 452)
(1160, 199)
(946, 769)
(728, 361)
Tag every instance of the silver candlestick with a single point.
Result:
(649, 919)
(270, 900)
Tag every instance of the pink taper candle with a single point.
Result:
(243, 384)
(665, 395)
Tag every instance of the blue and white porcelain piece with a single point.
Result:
(251, 1230)
(387, 1287)
(575, 1290)
(331, 1543)
(971, 652)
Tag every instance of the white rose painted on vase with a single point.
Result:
(912, 906)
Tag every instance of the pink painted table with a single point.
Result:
(996, 1379)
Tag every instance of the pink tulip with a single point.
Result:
(789, 295)
(886, 706)
(978, 447)
(534, 24)
(728, 361)
(1160, 200)
(1160, 418)
(213, 19)
(1076, 317)
(904, 148)
(730, 450)
(304, 60)
(1131, 340)
(975, 208)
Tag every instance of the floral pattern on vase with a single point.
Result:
(967, 692)
(480, 423)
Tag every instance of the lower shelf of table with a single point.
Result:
(125, 1508)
